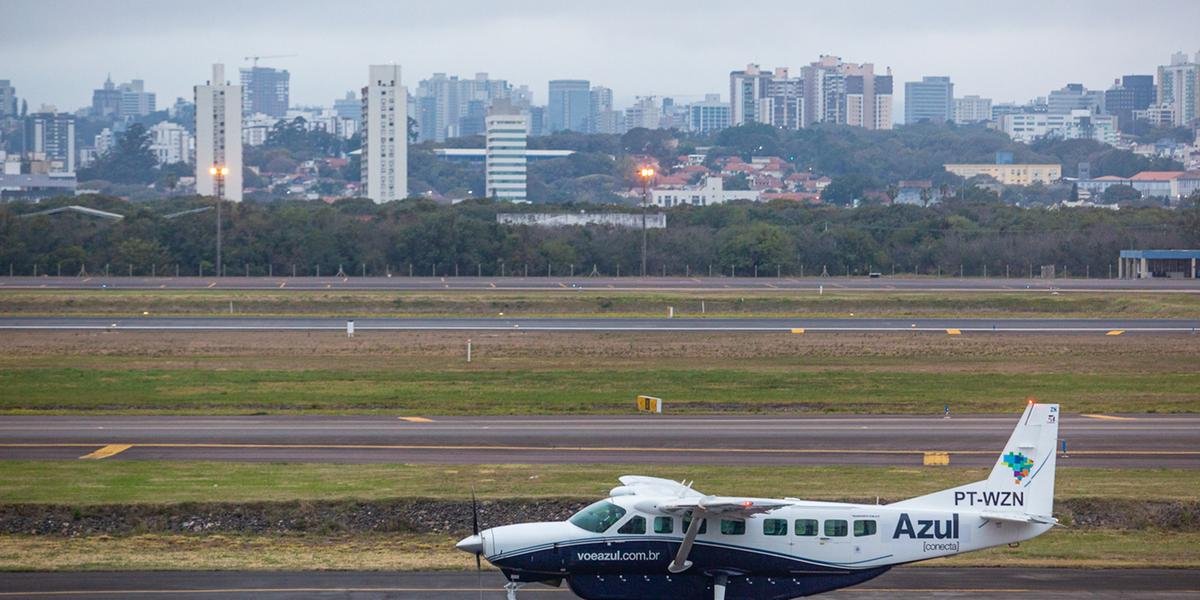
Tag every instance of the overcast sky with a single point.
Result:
(57, 51)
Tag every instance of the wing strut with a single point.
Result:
(681, 563)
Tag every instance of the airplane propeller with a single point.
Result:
(475, 530)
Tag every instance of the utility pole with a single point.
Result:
(646, 173)
(219, 172)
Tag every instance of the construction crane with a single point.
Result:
(255, 58)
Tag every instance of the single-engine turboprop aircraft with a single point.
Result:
(656, 538)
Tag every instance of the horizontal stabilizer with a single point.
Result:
(1018, 518)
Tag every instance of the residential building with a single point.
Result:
(931, 99)
(8, 100)
(349, 107)
(868, 97)
(265, 91)
(505, 166)
(611, 122)
(846, 93)
(1078, 124)
(385, 135)
(601, 102)
(135, 100)
(645, 113)
(972, 109)
(1179, 88)
(709, 115)
(1009, 174)
(917, 192)
(1127, 95)
(783, 102)
(103, 141)
(442, 102)
(171, 143)
(473, 121)
(1074, 96)
(50, 137)
(824, 91)
(1156, 115)
(537, 121)
(712, 192)
(219, 136)
(747, 89)
(522, 97)
(570, 102)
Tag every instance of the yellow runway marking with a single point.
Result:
(212, 284)
(798, 330)
(953, 332)
(1116, 332)
(623, 449)
(1109, 418)
(416, 419)
(107, 451)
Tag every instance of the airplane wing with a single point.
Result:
(724, 506)
(653, 486)
(1018, 518)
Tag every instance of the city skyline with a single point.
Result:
(1000, 56)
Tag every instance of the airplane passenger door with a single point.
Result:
(834, 541)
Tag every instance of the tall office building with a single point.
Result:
(600, 102)
(507, 134)
(1127, 95)
(1179, 88)
(349, 107)
(8, 99)
(443, 104)
(50, 136)
(265, 91)
(385, 135)
(972, 109)
(1074, 96)
(644, 113)
(219, 135)
(106, 101)
(709, 115)
(135, 100)
(931, 99)
(570, 102)
(824, 91)
(747, 88)
(783, 102)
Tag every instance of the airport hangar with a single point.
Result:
(1146, 264)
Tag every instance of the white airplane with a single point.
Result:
(656, 538)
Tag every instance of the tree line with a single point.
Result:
(968, 233)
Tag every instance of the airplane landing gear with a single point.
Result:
(719, 583)
(510, 589)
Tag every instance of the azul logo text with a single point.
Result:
(926, 529)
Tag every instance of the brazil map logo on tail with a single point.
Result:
(1019, 465)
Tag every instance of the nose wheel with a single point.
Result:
(510, 589)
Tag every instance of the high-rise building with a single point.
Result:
(265, 91)
(473, 122)
(106, 101)
(8, 99)
(537, 121)
(972, 109)
(507, 133)
(385, 135)
(349, 107)
(522, 97)
(126, 100)
(784, 100)
(644, 113)
(601, 101)
(868, 97)
(171, 143)
(50, 137)
(1179, 88)
(219, 136)
(747, 88)
(709, 115)
(1129, 94)
(442, 102)
(931, 99)
(824, 91)
(1074, 96)
(570, 103)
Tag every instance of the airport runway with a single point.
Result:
(905, 583)
(404, 283)
(1167, 441)
(678, 325)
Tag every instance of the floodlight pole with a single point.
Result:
(218, 172)
(646, 173)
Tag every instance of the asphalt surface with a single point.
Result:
(404, 283)
(679, 325)
(1169, 441)
(903, 583)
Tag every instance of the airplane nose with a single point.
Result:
(472, 544)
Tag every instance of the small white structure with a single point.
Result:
(713, 192)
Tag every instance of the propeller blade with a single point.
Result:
(478, 562)
(474, 514)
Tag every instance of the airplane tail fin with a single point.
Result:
(1022, 480)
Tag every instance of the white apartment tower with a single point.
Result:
(385, 135)
(219, 135)
(505, 169)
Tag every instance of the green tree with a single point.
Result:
(760, 244)
(130, 160)
(1121, 193)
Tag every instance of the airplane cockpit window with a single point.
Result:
(598, 517)
(636, 525)
(664, 525)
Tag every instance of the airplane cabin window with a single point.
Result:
(687, 521)
(730, 527)
(598, 517)
(636, 525)
(664, 525)
(836, 528)
(774, 526)
(806, 527)
(862, 528)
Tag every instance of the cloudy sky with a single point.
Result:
(57, 51)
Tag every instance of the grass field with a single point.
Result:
(80, 483)
(1058, 548)
(567, 302)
